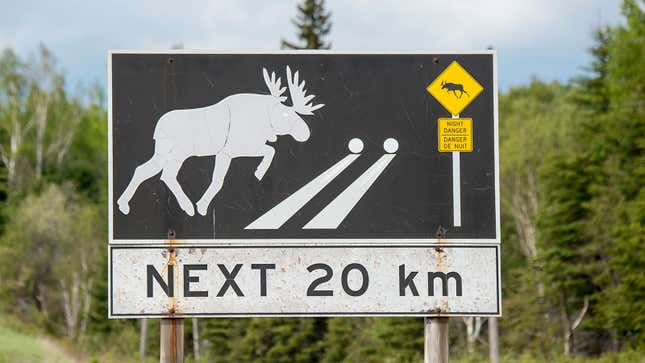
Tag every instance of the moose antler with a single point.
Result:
(299, 95)
(274, 85)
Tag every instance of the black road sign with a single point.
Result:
(220, 147)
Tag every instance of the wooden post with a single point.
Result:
(171, 348)
(435, 340)
(493, 340)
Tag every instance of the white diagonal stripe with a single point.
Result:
(278, 215)
(336, 211)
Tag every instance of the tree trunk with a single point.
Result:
(473, 328)
(524, 207)
(41, 125)
(14, 145)
(17, 132)
(87, 304)
(64, 138)
(569, 327)
(71, 304)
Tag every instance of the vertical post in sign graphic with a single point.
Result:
(456, 187)
(455, 88)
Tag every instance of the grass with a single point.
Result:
(629, 356)
(20, 347)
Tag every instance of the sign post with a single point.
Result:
(171, 347)
(436, 348)
(303, 184)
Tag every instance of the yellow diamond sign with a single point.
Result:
(454, 88)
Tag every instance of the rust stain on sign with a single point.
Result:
(172, 301)
(442, 265)
(439, 255)
(172, 261)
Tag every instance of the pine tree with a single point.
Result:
(313, 25)
(564, 247)
(224, 336)
(595, 202)
(276, 340)
(351, 340)
(624, 165)
(340, 333)
(400, 339)
(536, 121)
(595, 96)
(574, 221)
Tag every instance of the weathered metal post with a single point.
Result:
(493, 340)
(143, 338)
(171, 345)
(171, 349)
(435, 340)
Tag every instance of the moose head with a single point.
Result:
(285, 119)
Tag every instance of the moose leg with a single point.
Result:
(222, 162)
(169, 176)
(267, 153)
(141, 173)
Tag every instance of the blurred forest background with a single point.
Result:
(573, 220)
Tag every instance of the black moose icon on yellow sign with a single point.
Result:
(454, 87)
(449, 87)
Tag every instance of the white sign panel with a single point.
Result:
(178, 281)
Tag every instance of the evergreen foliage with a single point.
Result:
(313, 26)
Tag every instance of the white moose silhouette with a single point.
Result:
(237, 126)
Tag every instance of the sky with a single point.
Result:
(544, 38)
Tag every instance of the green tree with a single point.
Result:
(50, 260)
(313, 26)
(399, 339)
(224, 336)
(595, 98)
(571, 254)
(351, 340)
(276, 340)
(623, 161)
(40, 124)
(565, 252)
(536, 121)
(13, 124)
(84, 162)
(588, 225)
